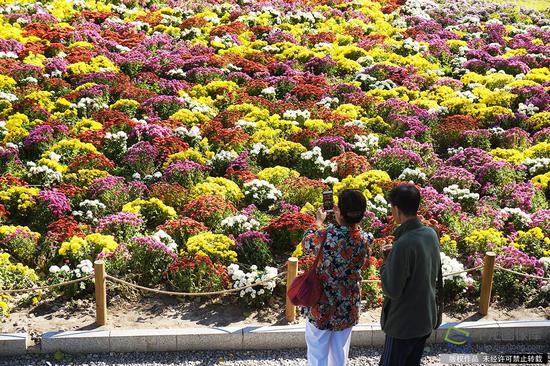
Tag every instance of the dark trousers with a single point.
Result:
(403, 352)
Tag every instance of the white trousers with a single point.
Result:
(326, 347)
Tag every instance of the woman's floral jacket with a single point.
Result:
(344, 252)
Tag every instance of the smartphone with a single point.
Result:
(328, 201)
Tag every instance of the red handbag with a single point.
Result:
(306, 289)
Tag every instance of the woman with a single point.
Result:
(344, 246)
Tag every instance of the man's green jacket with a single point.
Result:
(409, 276)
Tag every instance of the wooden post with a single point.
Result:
(292, 272)
(100, 293)
(487, 282)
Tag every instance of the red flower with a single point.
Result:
(349, 163)
(91, 161)
(62, 229)
(231, 28)
(4, 213)
(169, 145)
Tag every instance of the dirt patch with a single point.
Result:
(168, 312)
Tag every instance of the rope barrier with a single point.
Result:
(521, 274)
(222, 292)
(445, 275)
(466, 270)
(213, 293)
(66, 283)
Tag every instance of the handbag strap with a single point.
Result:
(439, 291)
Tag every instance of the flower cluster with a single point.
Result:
(261, 193)
(159, 125)
(243, 279)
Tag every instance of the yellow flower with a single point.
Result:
(82, 246)
(34, 59)
(84, 177)
(542, 180)
(218, 186)
(73, 246)
(82, 44)
(10, 229)
(510, 155)
(298, 252)
(21, 196)
(215, 246)
(69, 149)
(540, 150)
(190, 118)
(277, 175)
(86, 124)
(138, 205)
(99, 63)
(189, 154)
(317, 125)
(106, 243)
(538, 121)
(124, 104)
(7, 83)
(308, 208)
(484, 240)
(368, 183)
(540, 75)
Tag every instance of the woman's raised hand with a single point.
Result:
(320, 216)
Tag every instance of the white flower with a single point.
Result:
(414, 175)
(165, 239)
(86, 266)
(65, 268)
(366, 144)
(54, 269)
(331, 180)
(269, 91)
(458, 194)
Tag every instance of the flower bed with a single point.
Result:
(188, 146)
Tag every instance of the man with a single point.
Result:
(408, 276)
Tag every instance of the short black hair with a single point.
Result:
(352, 204)
(406, 197)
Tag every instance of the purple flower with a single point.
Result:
(498, 172)
(150, 132)
(250, 236)
(318, 65)
(56, 64)
(333, 145)
(542, 135)
(240, 162)
(11, 45)
(142, 156)
(101, 185)
(541, 218)
(279, 36)
(399, 153)
(518, 195)
(153, 245)
(56, 202)
(471, 159)
(118, 219)
(448, 175)
(249, 210)
(436, 205)
(288, 207)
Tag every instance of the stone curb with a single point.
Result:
(257, 337)
(13, 343)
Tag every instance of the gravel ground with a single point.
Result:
(362, 356)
